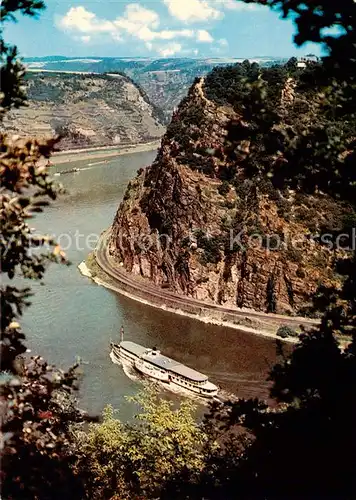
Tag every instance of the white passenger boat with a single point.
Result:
(152, 364)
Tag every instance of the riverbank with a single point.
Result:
(100, 267)
(90, 269)
(102, 152)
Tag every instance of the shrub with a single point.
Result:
(271, 242)
(230, 204)
(300, 273)
(224, 188)
(294, 254)
(286, 331)
(271, 301)
(211, 247)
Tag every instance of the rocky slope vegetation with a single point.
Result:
(204, 221)
(86, 110)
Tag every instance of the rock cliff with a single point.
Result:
(193, 223)
(86, 110)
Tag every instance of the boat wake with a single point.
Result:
(97, 163)
(90, 166)
(128, 369)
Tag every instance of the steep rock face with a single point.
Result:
(86, 110)
(182, 227)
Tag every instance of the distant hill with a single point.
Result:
(87, 110)
(166, 81)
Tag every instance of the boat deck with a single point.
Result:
(161, 361)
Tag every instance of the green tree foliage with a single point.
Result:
(224, 188)
(299, 125)
(11, 70)
(305, 448)
(37, 404)
(227, 85)
(313, 20)
(140, 460)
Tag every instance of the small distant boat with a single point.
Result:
(151, 363)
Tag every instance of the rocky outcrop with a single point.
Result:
(86, 110)
(243, 243)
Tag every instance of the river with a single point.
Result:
(71, 316)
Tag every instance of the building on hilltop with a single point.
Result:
(302, 62)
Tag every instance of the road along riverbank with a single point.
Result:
(103, 152)
(108, 272)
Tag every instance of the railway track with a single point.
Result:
(143, 289)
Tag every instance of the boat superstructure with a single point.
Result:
(153, 364)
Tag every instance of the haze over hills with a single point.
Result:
(145, 64)
(166, 81)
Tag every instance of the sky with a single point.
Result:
(155, 28)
